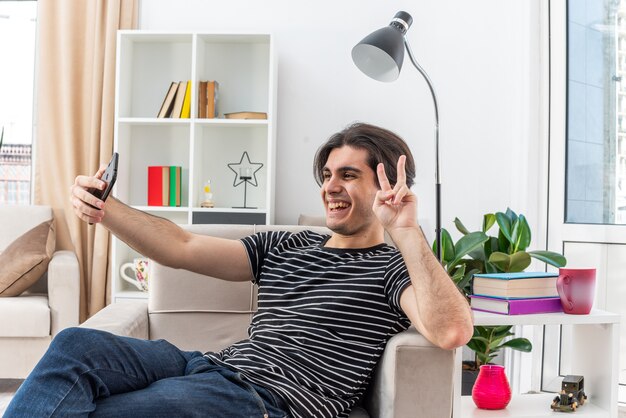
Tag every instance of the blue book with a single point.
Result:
(516, 285)
(519, 275)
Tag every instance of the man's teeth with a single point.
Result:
(335, 205)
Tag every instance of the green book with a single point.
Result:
(175, 185)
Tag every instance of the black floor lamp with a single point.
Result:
(379, 55)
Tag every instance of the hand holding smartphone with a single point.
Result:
(109, 176)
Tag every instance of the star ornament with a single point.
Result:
(245, 171)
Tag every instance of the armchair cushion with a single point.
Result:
(26, 316)
(26, 259)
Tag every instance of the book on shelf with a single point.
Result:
(516, 285)
(211, 99)
(174, 178)
(164, 185)
(155, 186)
(168, 101)
(165, 189)
(246, 115)
(207, 99)
(185, 112)
(202, 99)
(515, 306)
(180, 98)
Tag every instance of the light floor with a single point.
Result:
(9, 386)
(7, 389)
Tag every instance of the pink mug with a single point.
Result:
(576, 288)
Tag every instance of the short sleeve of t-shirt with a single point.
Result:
(258, 247)
(396, 280)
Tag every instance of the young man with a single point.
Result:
(327, 304)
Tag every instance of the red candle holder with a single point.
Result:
(491, 390)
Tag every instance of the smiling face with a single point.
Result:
(348, 194)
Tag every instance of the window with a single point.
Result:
(587, 183)
(17, 57)
(596, 112)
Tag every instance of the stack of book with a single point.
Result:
(164, 185)
(516, 293)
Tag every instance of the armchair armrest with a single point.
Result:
(63, 291)
(129, 319)
(414, 378)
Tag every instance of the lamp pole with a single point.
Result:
(437, 161)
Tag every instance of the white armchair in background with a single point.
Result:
(28, 322)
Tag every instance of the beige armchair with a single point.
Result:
(29, 321)
(194, 312)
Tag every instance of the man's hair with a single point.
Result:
(382, 146)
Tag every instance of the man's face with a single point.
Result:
(348, 191)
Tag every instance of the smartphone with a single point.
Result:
(109, 176)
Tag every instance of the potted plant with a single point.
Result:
(476, 252)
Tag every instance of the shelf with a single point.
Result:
(592, 347)
(154, 121)
(595, 317)
(231, 122)
(203, 122)
(197, 209)
(161, 208)
(530, 406)
(148, 62)
(230, 210)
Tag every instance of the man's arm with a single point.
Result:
(433, 303)
(160, 239)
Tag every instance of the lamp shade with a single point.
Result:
(380, 54)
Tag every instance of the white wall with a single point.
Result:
(482, 57)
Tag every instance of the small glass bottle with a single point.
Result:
(207, 202)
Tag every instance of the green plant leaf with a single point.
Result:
(488, 220)
(519, 261)
(482, 331)
(490, 246)
(447, 248)
(500, 260)
(477, 254)
(459, 225)
(552, 258)
(503, 243)
(495, 342)
(505, 225)
(514, 236)
(481, 339)
(483, 358)
(464, 283)
(477, 345)
(519, 344)
(524, 236)
(491, 268)
(511, 215)
(468, 243)
(501, 330)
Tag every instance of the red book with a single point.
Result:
(515, 306)
(155, 186)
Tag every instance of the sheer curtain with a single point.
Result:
(75, 82)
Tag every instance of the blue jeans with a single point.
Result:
(87, 372)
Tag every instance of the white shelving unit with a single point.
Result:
(245, 67)
(594, 352)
